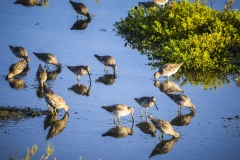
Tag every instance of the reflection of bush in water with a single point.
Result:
(207, 40)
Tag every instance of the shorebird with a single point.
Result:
(41, 75)
(167, 70)
(146, 102)
(163, 126)
(80, 71)
(53, 100)
(107, 61)
(182, 100)
(167, 87)
(80, 8)
(48, 58)
(160, 2)
(19, 52)
(119, 110)
(17, 68)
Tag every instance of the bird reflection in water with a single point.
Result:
(81, 24)
(107, 79)
(29, 3)
(52, 75)
(182, 120)
(119, 131)
(147, 128)
(40, 92)
(56, 126)
(17, 83)
(167, 87)
(164, 146)
(81, 89)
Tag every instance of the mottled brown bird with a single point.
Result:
(48, 58)
(119, 110)
(41, 75)
(182, 100)
(80, 71)
(107, 61)
(17, 68)
(80, 8)
(53, 100)
(163, 126)
(146, 102)
(19, 52)
(29, 3)
(167, 70)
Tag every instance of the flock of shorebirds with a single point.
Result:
(55, 102)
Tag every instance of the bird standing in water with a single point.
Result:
(80, 8)
(107, 61)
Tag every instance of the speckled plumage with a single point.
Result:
(119, 110)
(80, 8)
(167, 70)
(80, 71)
(29, 3)
(107, 61)
(52, 99)
(48, 58)
(19, 51)
(41, 75)
(163, 126)
(146, 102)
(17, 68)
(182, 100)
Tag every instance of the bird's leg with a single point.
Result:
(141, 112)
(105, 69)
(160, 136)
(114, 119)
(146, 112)
(78, 77)
(179, 108)
(118, 119)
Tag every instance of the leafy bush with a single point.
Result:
(207, 40)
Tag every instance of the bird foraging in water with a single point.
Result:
(146, 102)
(167, 70)
(41, 75)
(107, 61)
(164, 127)
(80, 8)
(119, 110)
(17, 68)
(48, 58)
(53, 100)
(182, 100)
(80, 71)
(19, 52)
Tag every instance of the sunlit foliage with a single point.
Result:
(205, 39)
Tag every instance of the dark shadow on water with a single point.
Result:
(167, 87)
(81, 89)
(17, 83)
(40, 92)
(147, 127)
(107, 79)
(163, 147)
(81, 24)
(56, 126)
(183, 120)
(119, 131)
(52, 75)
(29, 3)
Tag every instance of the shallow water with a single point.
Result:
(209, 134)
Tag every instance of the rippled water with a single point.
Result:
(209, 134)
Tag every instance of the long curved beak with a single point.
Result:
(155, 105)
